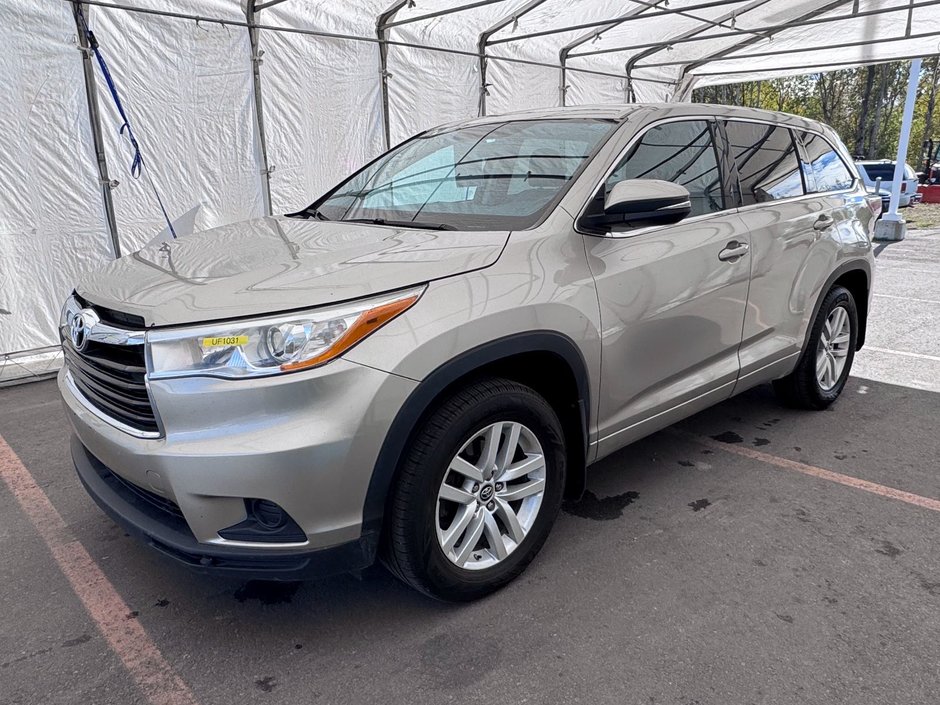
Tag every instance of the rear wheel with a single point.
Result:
(824, 367)
(477, 492)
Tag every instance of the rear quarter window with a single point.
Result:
(830, 173)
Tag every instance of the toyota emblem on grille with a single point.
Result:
(80, 327)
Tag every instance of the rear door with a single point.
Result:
(671, 297)
(792, 233)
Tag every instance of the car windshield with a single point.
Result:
(481, 177)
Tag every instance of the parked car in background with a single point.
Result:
(420, 365)
(872, 170)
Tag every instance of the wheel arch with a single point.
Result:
(858, 282)
(549, 362)
(854, 275)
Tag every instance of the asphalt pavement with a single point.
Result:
(752, 554)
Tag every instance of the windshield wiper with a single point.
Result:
(401, 223)
(307, 213)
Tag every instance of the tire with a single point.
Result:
(804, 388)
(418, 516)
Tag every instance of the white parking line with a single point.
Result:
(904, 353)
(907, 298)
(900, 265)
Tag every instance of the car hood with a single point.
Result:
(278, 264)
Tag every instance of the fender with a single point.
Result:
(848, 266)
(423, 397)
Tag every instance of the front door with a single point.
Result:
(672, 298)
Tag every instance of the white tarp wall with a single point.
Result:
(189, 92)
(51, 220)
(322, 103)
(187, 89)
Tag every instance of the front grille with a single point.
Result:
(109, 315)
(112, 378)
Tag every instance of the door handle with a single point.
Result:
(824, 222)
(733, 252)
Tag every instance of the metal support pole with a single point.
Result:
(594, 35)
(484, 40)
(683, 90)
(484, 86)
(442, 13)
(94, 118)
(600, 23)
(803, 68)
(684, 36)
(763, 30)
(250, 13)
(381, 32)
(798, 50)
(686, 82)
(892, 226)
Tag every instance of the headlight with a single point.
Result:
(267, 346)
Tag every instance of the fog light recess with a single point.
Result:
(266, 522)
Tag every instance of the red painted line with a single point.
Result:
(813, 471)
(124, 634)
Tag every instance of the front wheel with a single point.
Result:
(477, 492)
(824, 367)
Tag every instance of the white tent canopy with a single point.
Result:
(244, 110)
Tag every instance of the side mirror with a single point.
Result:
(642, 202)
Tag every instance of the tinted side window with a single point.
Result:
(768, 166)
(682, 152)
(830, 171)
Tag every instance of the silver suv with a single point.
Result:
(419, 366)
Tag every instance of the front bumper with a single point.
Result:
(173, 538)
(305, 441)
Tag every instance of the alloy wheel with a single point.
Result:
(490, 495)
(833, 348)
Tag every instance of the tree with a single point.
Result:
(865, 108)
(929, 84)
(863, 105)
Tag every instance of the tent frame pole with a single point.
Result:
(601, 23)
(484, 39)
(265, 5)
(441, 13)
(685, 13)
(593, 35)
(764, 30)
(381, 33)
(97, 138)
(798, 50)
(633, 62)
(251, 10)
(688, 34)
(684, 86)
(806, 68)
